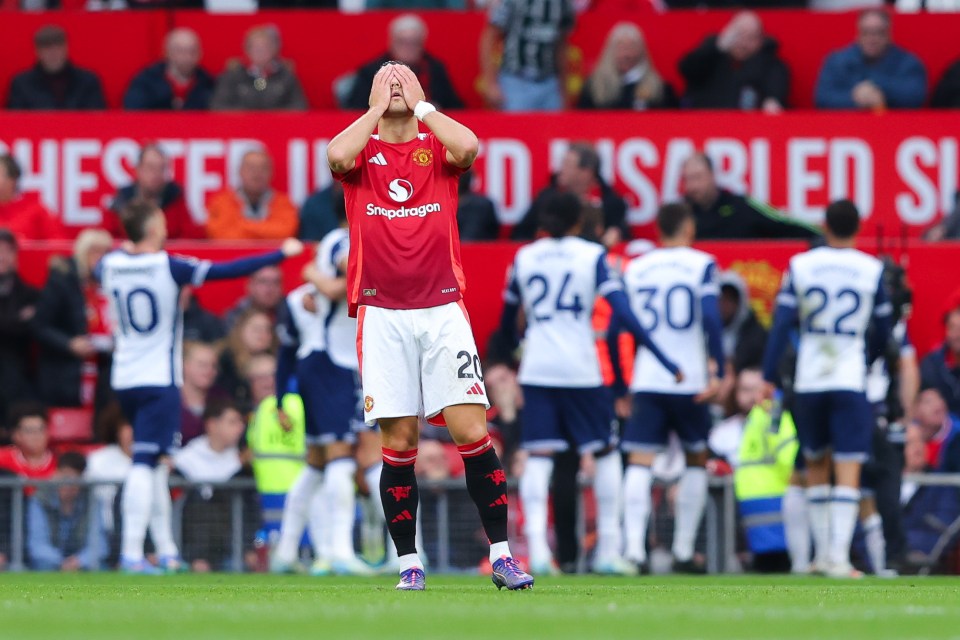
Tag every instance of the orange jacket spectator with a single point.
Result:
(228, 217)
(254, 211)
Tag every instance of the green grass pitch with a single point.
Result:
(108, 606)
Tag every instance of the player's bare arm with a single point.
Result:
(461, 143)
(332, 288)
(343, 150)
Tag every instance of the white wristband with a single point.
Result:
(422, 109)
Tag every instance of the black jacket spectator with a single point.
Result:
(613, 207)
(733, 217)
(431, 73)
(17, 300)
(946, 95)
(199, 325)
(744, 338)
(716, 81)
(476, 213)
(70, 88)
(941, 371)
(61, 316)
(151, 90)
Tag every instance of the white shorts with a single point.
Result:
(417, 362)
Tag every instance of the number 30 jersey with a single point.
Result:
(666, 288)
(557, 280)
(836, 294)
(144, 293)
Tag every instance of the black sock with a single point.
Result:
(400, 496)
(487, 485)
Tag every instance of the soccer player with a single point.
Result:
(832, 294)
(673, 291)
(143, 284)
(318, 341)
(557, 280)
(405, 283)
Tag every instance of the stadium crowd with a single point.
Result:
(56, 345)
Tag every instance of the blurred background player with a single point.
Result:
(557, 280)
(832, 294)
(318, 340)
(405, 283)
(673, 291)
(143, 284)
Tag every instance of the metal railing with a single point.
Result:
(449, 523)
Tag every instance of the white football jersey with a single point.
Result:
(666, 287)
(834, 292)
(302, 327)
(557, 280)
(144, 292)
(341, 329)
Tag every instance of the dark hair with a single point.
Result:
(587, 157)
(559, 214)
(7, 237)
(10, 166)
(218, 406)
(25, 409)
(339, 204)
(843, 219)
(671, 217)
(465, 182)
(72, 460)
(134, 215)
(49, 35)
(109, 423)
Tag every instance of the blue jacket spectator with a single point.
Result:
(940, 369)
(872, 73)
(177, 82)
(59, 531)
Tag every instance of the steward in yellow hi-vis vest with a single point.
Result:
(278, 454)
(767, 453)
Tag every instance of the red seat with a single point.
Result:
(70, 425)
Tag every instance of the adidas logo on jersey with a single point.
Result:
(475, 390)
(378, 160)
(501, 501)
(403, 515)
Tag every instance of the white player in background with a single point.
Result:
(673, 292)
(143, 283)
(832, 294)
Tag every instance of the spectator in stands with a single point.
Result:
(199, 325)
(252, 335)
(199, 374)
(215, 457)
(725, 437)
(24, 216)
(722, 215)
(30, 455)
(408, 33)
(530, 75)
(176, 83)
(72, 328)
(260, 375)
(940, 369)
(152, 183)
(872, 73)
(254, 211)
(738, 69)
(625, 77)
(946, 95)
(17, 306)
(322, 211)
(263, 82)
(744, 338)
(264, 294)
(110, 464)
(580, 174)
(476, 213)
(59, 532)
(940, 431)
(54, 82)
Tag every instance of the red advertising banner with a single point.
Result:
(900, 168)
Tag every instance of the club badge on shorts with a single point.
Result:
(423, 157)
(368, 404)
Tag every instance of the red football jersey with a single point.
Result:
(401, 204)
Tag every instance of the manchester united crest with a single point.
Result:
(423, 157)
(368, 404)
